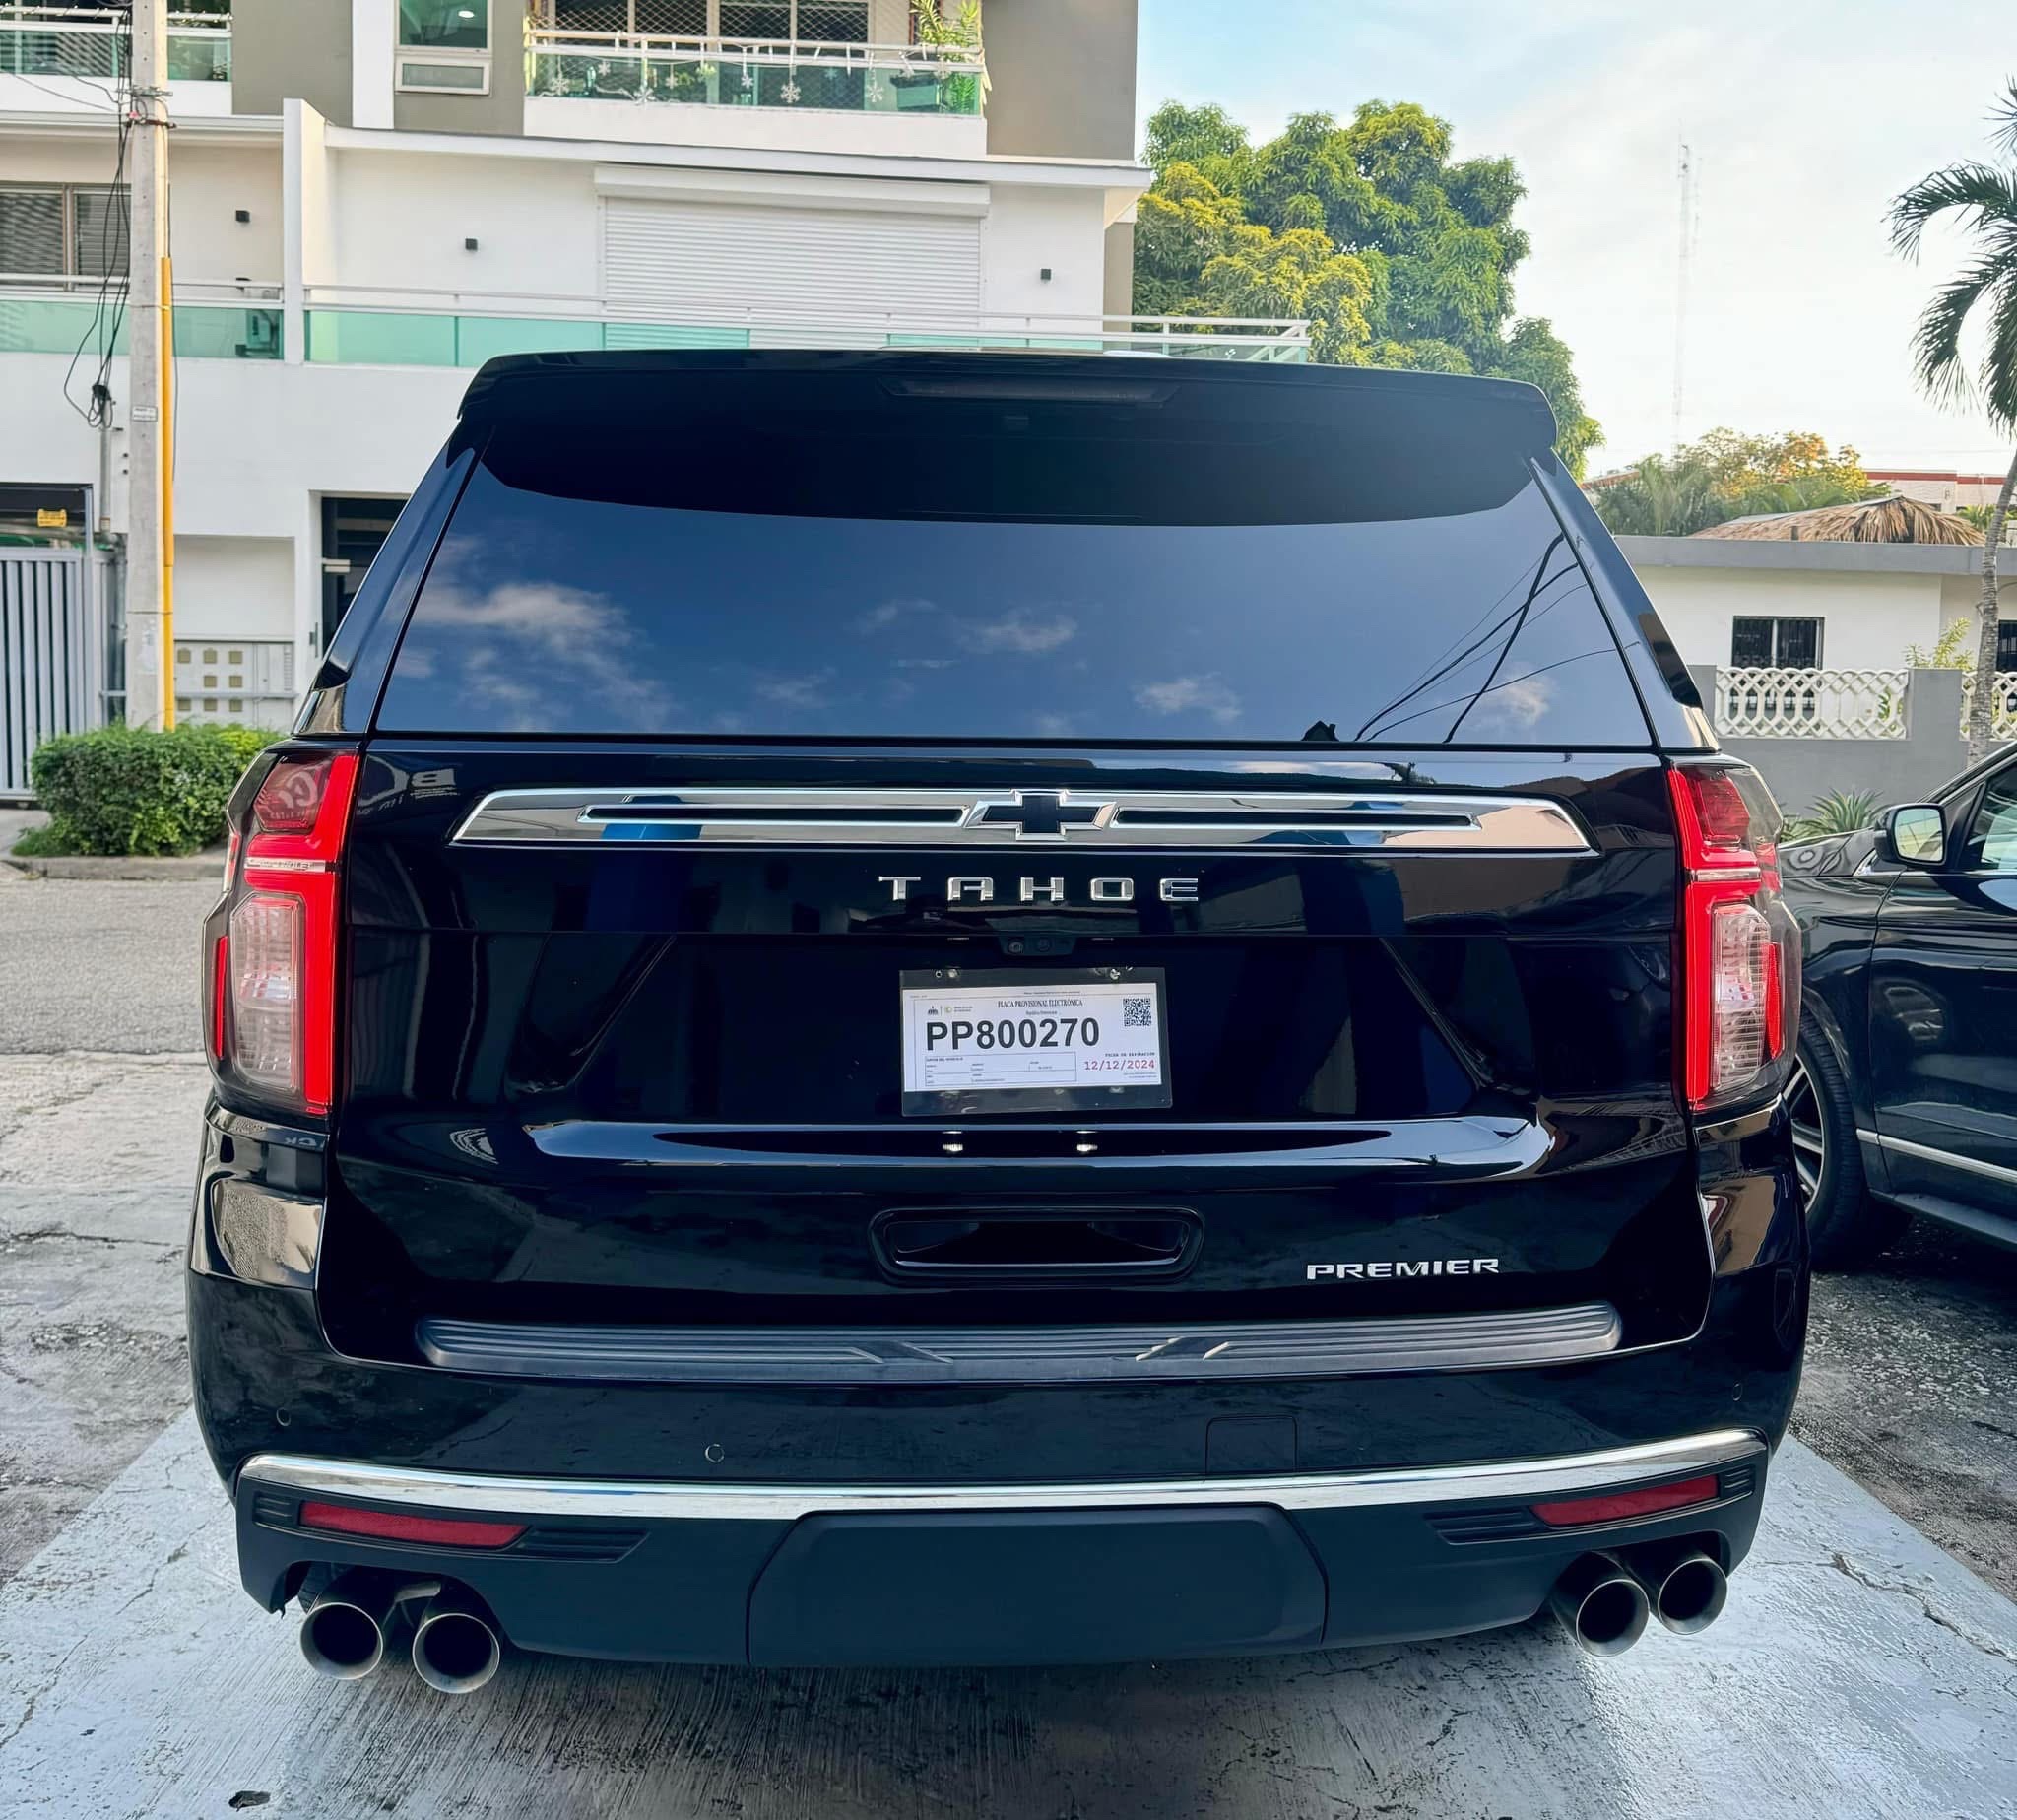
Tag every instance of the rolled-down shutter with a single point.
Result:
(796, 277)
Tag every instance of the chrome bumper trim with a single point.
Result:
(1022, 1354)
(648, 1501)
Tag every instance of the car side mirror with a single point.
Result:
(1915, 834)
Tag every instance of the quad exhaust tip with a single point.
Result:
(347, 1630)
(1686, 1588)
(342, 1634)
(1602, 1605)
(456, 1646)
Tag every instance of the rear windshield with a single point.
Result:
(558, 606)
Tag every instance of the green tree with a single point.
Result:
(1400, 256)
(1984, 199)
(1659, 498)
(1729, 475)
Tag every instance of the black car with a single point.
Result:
(907, 1008)
(1904, 1096)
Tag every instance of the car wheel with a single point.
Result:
(1846, 1228)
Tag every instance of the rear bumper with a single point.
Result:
(892, 1573)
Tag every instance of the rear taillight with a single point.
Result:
(275, 991)
(1739, 952)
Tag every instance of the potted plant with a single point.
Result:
(935, 33)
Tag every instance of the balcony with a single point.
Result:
(796, 94)
(350, 328)
(212, 322)
(72, 52)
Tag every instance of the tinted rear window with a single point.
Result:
(580, 590)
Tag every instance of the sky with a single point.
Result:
(1804, 116)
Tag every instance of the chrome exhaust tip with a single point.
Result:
(1686, 1588)
(456, 1646)
(1600, 1605)
(343, 1633)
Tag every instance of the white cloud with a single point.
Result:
(535, 648)
(1020, 631)
(800, 691)
(1207, 695)
(885, 613)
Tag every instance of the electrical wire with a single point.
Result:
(109, 311)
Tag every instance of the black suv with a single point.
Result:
(903, 1009)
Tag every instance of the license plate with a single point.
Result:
(1020, 1041)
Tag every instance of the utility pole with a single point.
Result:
(1688, 175)
(149, 537)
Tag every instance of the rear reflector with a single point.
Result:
(1617, 1506)
(398, 1526)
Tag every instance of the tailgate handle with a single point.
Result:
(1036, 1244)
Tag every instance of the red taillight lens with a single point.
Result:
(1618, 1506)
(1739, 959)
(398, 1526)
(277, 1005)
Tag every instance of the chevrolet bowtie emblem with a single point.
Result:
(1040, 815)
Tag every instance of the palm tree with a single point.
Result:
(1985, 198)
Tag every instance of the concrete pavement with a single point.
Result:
(1858, 1672)
(98, 966)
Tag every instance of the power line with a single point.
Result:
(110, 301)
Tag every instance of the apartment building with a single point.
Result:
(370, 197)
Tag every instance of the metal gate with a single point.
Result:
(53, 654)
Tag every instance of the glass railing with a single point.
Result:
(219, 331)
(42, 40)
(411, 337)
(416, 338)
(203, 331)
(755, 73)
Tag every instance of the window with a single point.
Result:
(2007, 644)
(1784, 644)
(586, 586)
(1994, 845)
(445, 45)
(444, 25)
(62, 230)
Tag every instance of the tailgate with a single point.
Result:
(625, 1042)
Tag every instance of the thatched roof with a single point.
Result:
(1896, 520)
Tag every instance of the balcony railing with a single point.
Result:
(449, 330)
(51, 40)
(212, 322)
(802, 73)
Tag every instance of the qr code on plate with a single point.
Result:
(1137, 1015)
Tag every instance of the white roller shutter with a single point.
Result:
(721, 263)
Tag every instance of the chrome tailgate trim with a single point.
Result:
(1022, 1355)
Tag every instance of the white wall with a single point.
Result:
(1959, 595)
(206, 184)
(397, 221)
(235, 587)
(75, 95)
(1028, 228)
(769, 129)
(1867, 619)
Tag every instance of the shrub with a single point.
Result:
(1840, 811)
(122, 790)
